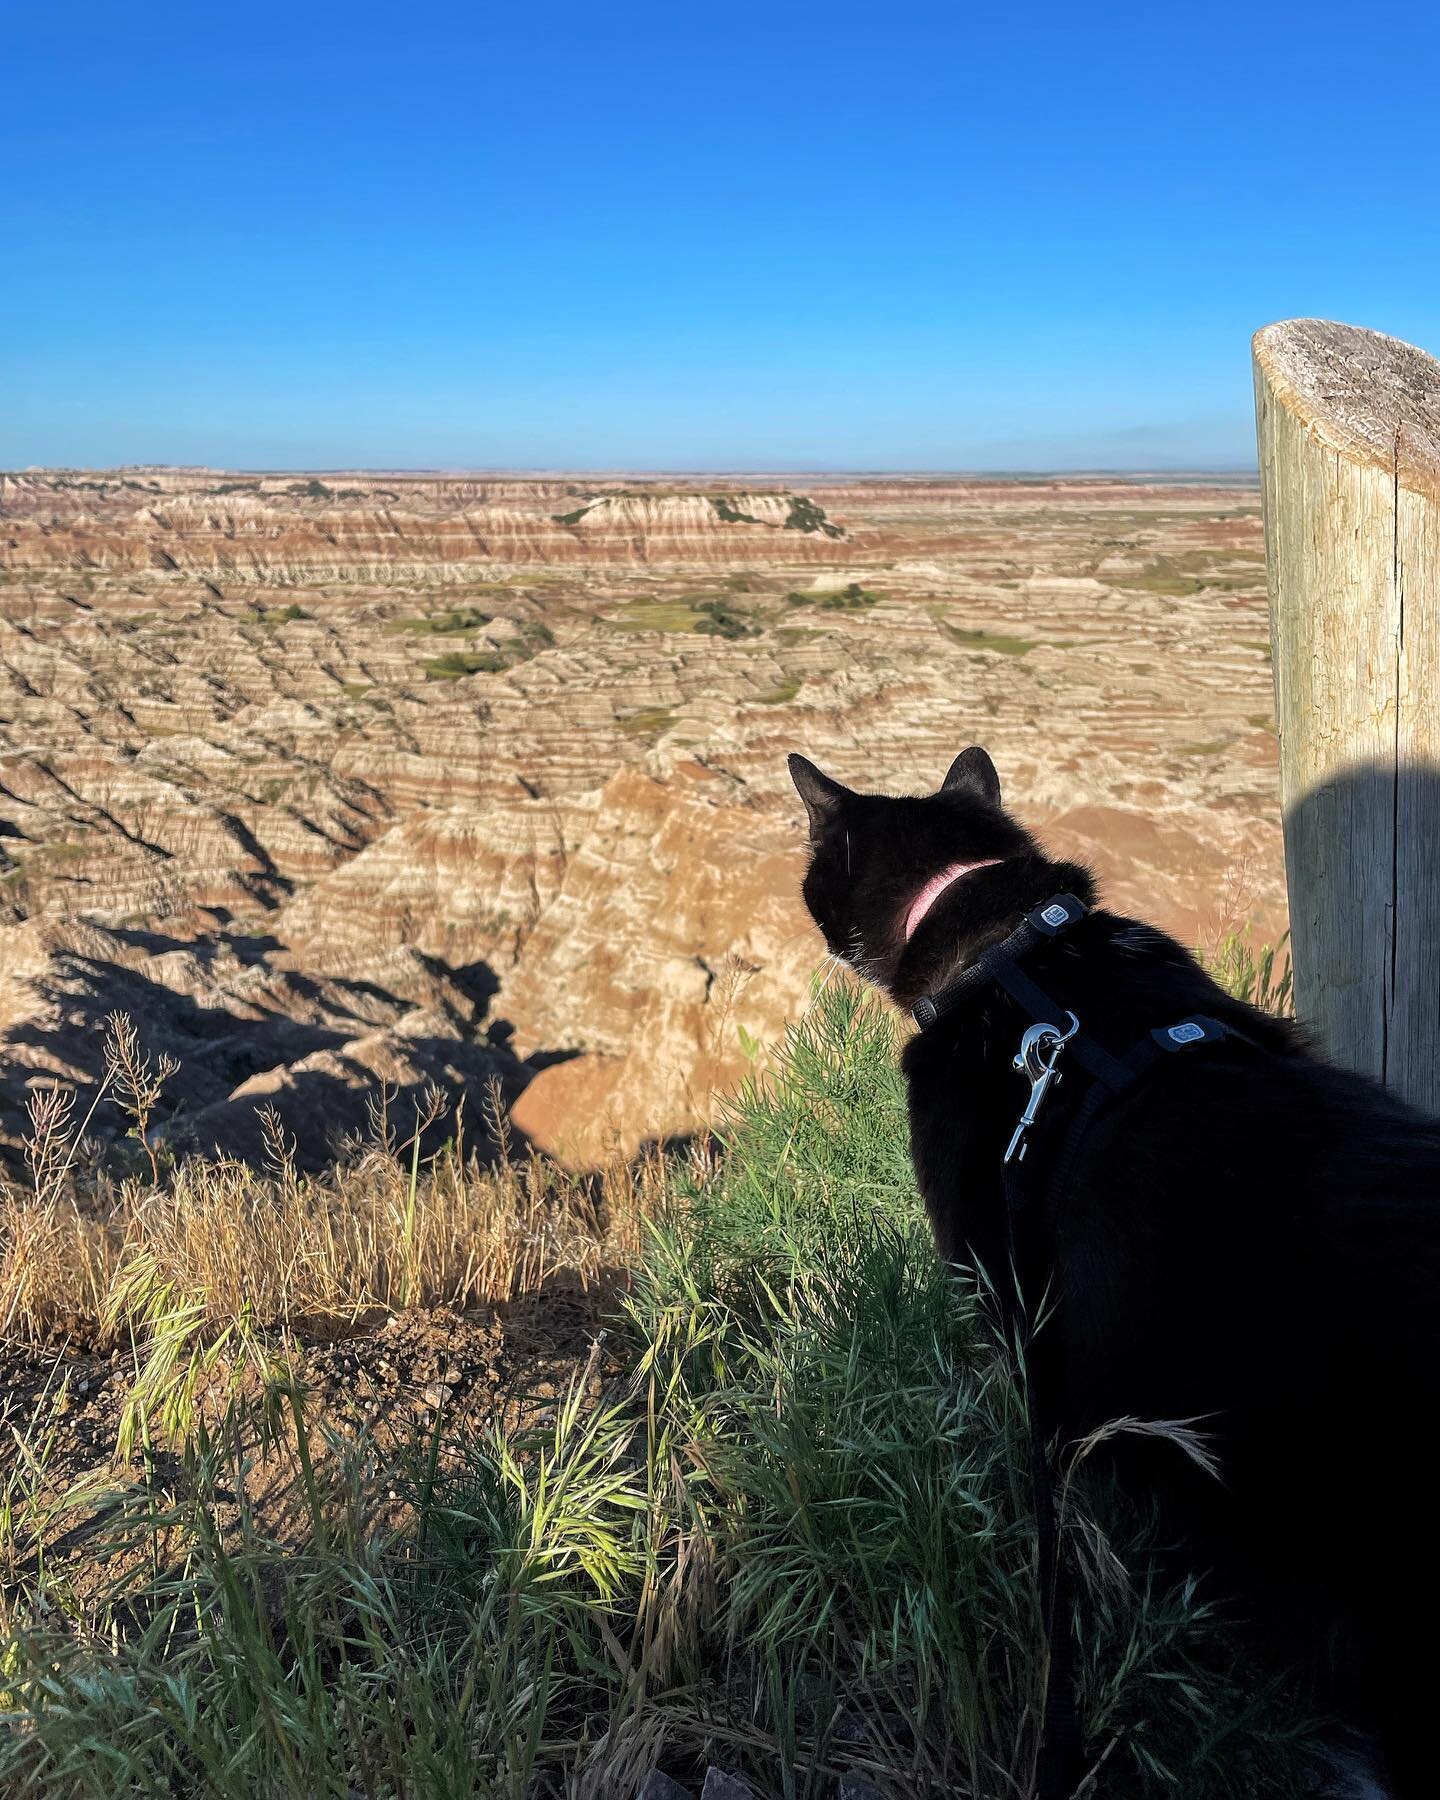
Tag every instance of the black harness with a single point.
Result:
(1054, 1034)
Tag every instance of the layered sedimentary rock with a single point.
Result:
(392, 530)
(343, 781)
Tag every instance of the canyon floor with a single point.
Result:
(340, 786)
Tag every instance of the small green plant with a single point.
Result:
(1261, 976)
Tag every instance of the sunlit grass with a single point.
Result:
(789, 1529)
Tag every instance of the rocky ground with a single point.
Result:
(344, 782)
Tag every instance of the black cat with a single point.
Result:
(1247, 1236)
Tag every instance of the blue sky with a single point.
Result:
(882, 236)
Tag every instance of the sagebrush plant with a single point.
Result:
(789, 1530)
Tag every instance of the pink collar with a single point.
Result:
(935, 887)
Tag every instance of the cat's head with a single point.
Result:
(905, 887)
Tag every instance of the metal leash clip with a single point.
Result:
(1038, 1058)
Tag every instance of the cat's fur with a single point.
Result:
(1250, 1236)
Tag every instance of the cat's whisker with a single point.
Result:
(827, 970)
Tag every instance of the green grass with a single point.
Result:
(851, 598)
(1001, 643)
(798, 1503)
(652, 722)
(282, 615)
(782, 692)
(446, 624)
(658, 615)
(710, 617)
(454, 665)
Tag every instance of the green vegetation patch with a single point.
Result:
(805, 515)
(657, 615)
(999, 642)
(652, 722)
(720, 618)
(446, 624)
(709, 617)
(781, 693)
(455, 664)
(731, 514)
(282, 615)
(1157, 581)
(852, 598)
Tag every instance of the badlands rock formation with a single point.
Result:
(352, 783)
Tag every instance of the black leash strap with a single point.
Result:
(1060, 1760)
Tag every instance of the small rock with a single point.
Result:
(451, 1375)
(658, 1786)
(722, 1786)
(436, 1394)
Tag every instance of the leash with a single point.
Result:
(1055, 1033)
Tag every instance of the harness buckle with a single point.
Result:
(1038, 1058)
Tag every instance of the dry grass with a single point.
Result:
(383, 1229)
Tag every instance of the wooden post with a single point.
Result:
(1348, 423)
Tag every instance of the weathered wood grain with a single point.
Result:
(1348, 423)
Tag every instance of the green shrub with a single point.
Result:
(851, 598)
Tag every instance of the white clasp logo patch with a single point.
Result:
(1187, 1033)
(1054, 915)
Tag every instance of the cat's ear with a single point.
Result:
(972, 769)
(822, 796)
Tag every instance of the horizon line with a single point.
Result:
(1128, 471)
